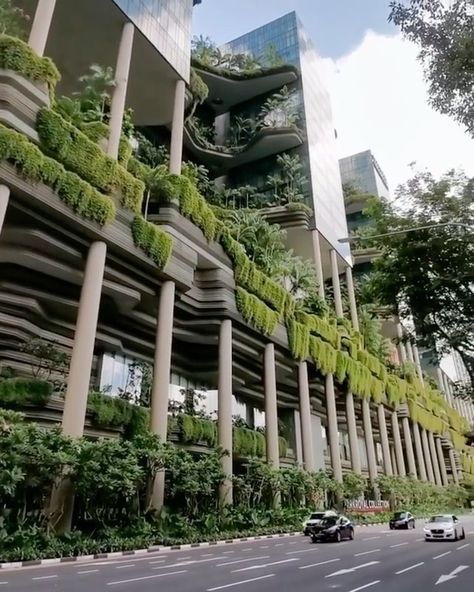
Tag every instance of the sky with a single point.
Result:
(378, 93)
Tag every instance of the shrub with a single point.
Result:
(154, 241)
(256, 312)
(17, 392)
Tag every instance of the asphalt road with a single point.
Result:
(377, 560)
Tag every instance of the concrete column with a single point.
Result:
(434, 458)
(416, 355)
(336, 285)
(398, 445)
(419, 452)
(161, 379)
(352, 299)
(387, 461)
(176, 147)
(401, 346)
(305, 417)
(369, 440)
(119, 95)
(318, 262)
(41, 24)
(4, 199)
(442, 462)
(426, 452)
(409, 447)
(352, 430)
(224, 407)
(271, 411)
(447, 390)
(409, 348)
(454, 469)
(394, 460)
(75, 402)
(332, 427)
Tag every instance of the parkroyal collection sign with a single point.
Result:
(364, 506)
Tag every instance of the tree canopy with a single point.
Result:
(429, 274)
(445, 34)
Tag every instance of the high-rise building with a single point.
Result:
(364, 174)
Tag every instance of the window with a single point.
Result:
(120, 374)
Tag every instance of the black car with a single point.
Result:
(402, 520)
(333, 528)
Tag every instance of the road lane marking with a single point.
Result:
(264, 546)
(279, 545)
(409, 568)
(171, 573)
(211, 554)
(371, 538)
(156, 562)
(293, 542)
(365, 586)
(263, 566)
(3, 583)
(190, 562)
(351, 569)
(398, 545)
(320, 563)
(442, 555)
(240, 583)
(452, 575)
(87, 571)
(462, 546)
(302, 551)
(418, 540)
(227, 552)
(44, 577)
(367, 552)
(247, 549)
(125, 566)
(243, 560)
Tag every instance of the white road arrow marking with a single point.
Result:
(452, 575)
(351, 569)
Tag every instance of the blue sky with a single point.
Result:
(336, 26)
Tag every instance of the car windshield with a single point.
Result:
(441, 519)
(399, 515)
(329, 521)
(317, 516)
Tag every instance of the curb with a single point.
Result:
(152, 549)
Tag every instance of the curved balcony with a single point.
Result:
(228, 88)
(268, 141)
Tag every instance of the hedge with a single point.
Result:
(193, 430)
(16, 55)
(35, 167)
(18, 392)
(98, 130)
(70, 146)
(248, 443)
(105, 411)
(154, 241)
(255, 312)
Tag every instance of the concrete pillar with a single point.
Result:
(398, 445)
(4, 199)
(318, 262)
(409, 348)
(332, 427)
(336, 285)
(387, 461)
(75, 402)
(434, 458)
(394, 460)
(224, 407)
(419, 452)
(41, 25)
(161, 380)
(352, 430)
(426, 452)
(176, 147)
(221, 128)
(454, 469)
(369, 440)
(352, 299)
(271, 411)
(416, 355)
(409, 447)
(401, 346)
(305, 417)
(447, 389)
(119, 95)
(442, 462)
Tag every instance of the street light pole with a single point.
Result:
(353, 239)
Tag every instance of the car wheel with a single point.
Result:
(351, 534)
(463, 534)
(391, 526)
(413, 524)
(337, 538)
(407, 526)
(456, 538)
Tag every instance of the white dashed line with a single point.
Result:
(371, 538)
(398, 545)
(240, 583)
(87, 571)
(409, 568)
(293, 542)
(367, 552)
(264, 546)
(156, 562)
(302, 551)
(418, 540)
(3, 583)
(279, 545)
(462, 546)
(442, 555)
(171, 573)
(320, 563)
(243, 560)
(365, 586)
(125, 566)
(227, 552)
(44, 578)
(211, 554)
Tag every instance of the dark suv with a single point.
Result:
(402, 520)
(333, 528)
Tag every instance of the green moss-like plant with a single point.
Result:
(396, 390)
(358, 379)
(323, 355)
(248, 443)
(298, 339)
(377, 390)
(342, 362)
(282, 447)
(79, 154)
(154, 241)
(255, 312)
(35, 167)
(16, 55)
(19, 392)
(321, 327)
(98, 130)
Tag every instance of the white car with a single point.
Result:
(444, 527)
(315, 519)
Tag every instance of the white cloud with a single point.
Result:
(380, 102)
